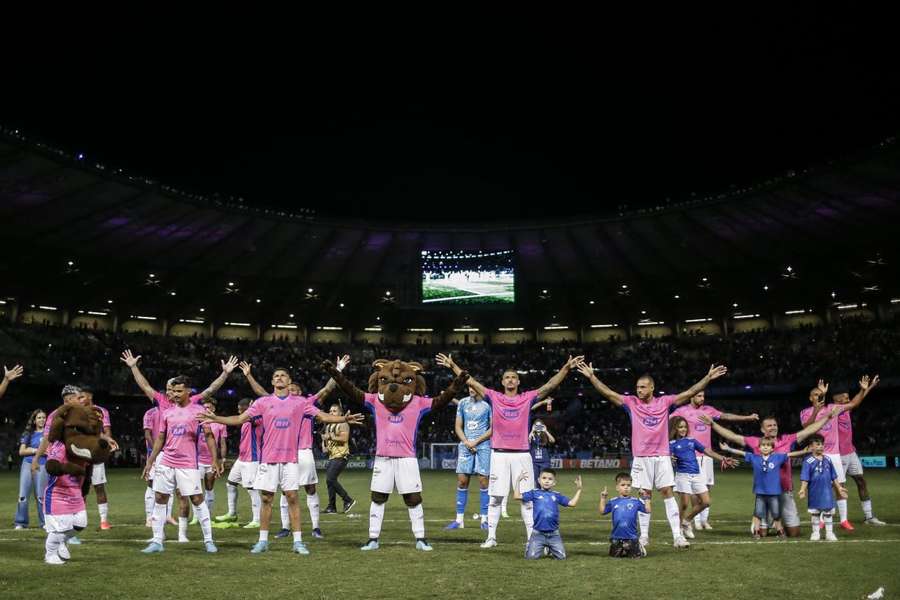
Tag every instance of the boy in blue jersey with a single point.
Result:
(766, 484)
(818, 478)
(623, 540)
(545, 536)
(473, 428)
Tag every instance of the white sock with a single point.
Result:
(312, 503)
(285, 513)
(673, 516)
(149, 503)
(298, 536)
(182, 526)
(461, 518)
(417, 520)
(210, 500)
(264, 535)
(232, 498)
(376, 516)
(169, 505)
(205, 525)
(698, 519)
(255, 501)
(829, 523)
(51, 546)
(494, 509)
(704, 515)
(815, 522)
(103, 509)
(528, 517)
(504, 503)
(644, 523)
(158, 523)
(866, 508)
(842, 509)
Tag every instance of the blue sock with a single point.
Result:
(485, 499)
(462, 497)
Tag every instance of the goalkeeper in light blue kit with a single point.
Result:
(473, 428)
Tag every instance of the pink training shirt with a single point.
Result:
(104, 415)
(183, 431)
(845, 433)
(395, 433)
(281, 419)
(251, 440)
(829, 430)
(63, 493)
(163, 402)
(48, 423)
(649, 424)
(219, 431)
(151, 422)
(509, 419)
(783, 445)
(306, 426)
(698, 430)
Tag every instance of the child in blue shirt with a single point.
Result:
(817, 479)
(546, 503)
(623, 540)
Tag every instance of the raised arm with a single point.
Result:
(865, 386)
(725, 433)
(726, 461)
(232, 421)
(353, 393)
(548, 402)
(453, 390)
(573, 501)
(801, 452)
(588, 371)
(131, 361)
(8, 376)
(227, 367)
(560, 375)
(726, 448)
(354, 419)
(254, 385)
(550, 438)
(330, 385)
(819, 403)
(714, 373)
(739, 418)
(817, 425)
(446, 360)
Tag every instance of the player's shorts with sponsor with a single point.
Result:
(506, 468)
(167, 479)
(851, 464)
(469, 463)
(649, 472)
(272, 476)
(63, 523)
(243, 473)
(707, 469)
(838, 467)
(98, 474)
(690, 483)
(307, 464)
(402, 472)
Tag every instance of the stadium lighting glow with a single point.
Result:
(309, 290)
(895, 300)
(799, 311)
(420, 329)
(555, 327)
(734, 304)
(591, 302)
(466, 329)
(510, 329)
(258, 300)
(702, 320)
(705, 279)
(765, 288)
(833, 295)
(96, 313)
(790, 269)
(329, 328)
(373, 329)
(604, 326)
(746, 316)
(47, 307)
(387, 293)
(172, 293)
(202, 310)
(71, 263)
(543, 291)
(643, 312)
(677, 297)
(850, 306)
(342, 305)
(230, 283)
(109, 301)
(236, 324)
(144, 318)
(2, 301)
(285, 326)
(646, 323)
(152, 275)
(624, 286)
(195, 321)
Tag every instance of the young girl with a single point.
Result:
(31, 482)
(690, 485)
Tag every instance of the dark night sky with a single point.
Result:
(497, 123)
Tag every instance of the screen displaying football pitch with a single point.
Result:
(468, 278)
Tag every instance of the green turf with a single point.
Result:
(723, 563)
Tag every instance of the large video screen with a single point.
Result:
(468, 278)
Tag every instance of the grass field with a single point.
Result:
(723, 563)
(476, 292)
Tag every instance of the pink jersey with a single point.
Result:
(219, 432)
(783, 445)
(698, 430)
(829, 430)
(649, 424)
(845, 433)
(151, 422)
(509, 419)
(48, 423)
(63, 493)
(281, 419)
(183, 431)
(251, 440)
(163, 402)
(306, 426)
(395, 433)
(105, 415)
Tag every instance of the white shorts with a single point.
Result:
(243, 473)
(789, 515)
(98, 474)
(707, 469)
(154, 466)
(851, 464)
(401, 472)
(838, 467)
(273, 476)
(63, 523)
(307, 463)
(690, 483)
(648, 472)
(167, 479)
(506, 468)
(204, 469)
